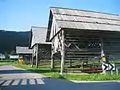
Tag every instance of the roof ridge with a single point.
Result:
(38, 27)
(23, 46)
(86, 11)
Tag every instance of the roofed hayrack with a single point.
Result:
(38, 35)
(83, 19)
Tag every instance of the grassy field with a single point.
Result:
(45, 70)
(5, 63)
(92, 77)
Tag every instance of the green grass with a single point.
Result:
(45, 70)
(5, 63)
(93, 77)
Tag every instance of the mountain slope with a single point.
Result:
(10, 39)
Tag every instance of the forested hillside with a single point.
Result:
(10, 39)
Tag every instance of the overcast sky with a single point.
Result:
(20, 15)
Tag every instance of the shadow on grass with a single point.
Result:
(49, 73)
(40, 71)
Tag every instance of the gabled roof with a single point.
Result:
(38, 35)
(14, 56)
(23, 50)
(83, 19)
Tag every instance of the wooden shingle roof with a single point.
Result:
(38, 35)
(84, 19)
(23, 50)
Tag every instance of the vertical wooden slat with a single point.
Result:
(102, 48)
(70, 63)
(37, 55)
(52, 59)
(32, 59)
(52, 62)
(62, 53)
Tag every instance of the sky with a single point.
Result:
(20, 15)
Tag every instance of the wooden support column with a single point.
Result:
(52, 57)
(32, 60)
(37, 55)
(102, 48)
(62, 54)
(52, 62)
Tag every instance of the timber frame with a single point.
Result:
(60, 48)
(84, 44)
(41, 49)
(25, 53)
(77, 39)
(41, 54)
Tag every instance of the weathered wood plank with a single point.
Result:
(62, 53)
(37, 55)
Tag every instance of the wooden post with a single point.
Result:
(52, 62)
(32, 60)
(52, 58)
(102, 53)
(37, 55)
(117, 71)
(18, 58)
(62, 54)
(102, 48)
